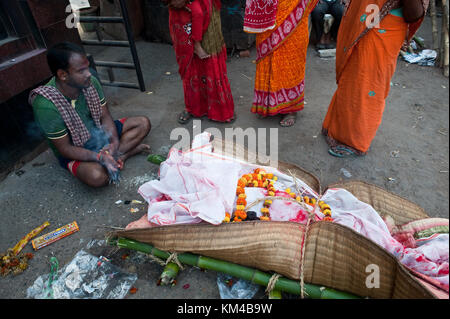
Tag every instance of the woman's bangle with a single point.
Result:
(99, 156)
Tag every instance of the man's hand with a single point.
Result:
(112, 148)
(109, 162)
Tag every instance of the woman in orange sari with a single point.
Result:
(370, 38)
(282, 39)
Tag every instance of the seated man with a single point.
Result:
(73, 114)
(336, 9)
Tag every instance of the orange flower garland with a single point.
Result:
(227, 218)
(259, 178)
(326, 210)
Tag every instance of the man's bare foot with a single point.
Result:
(201, 53)
(141, 148)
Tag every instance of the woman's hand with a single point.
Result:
(413, 10)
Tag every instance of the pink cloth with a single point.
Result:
(428, 260)
(191, 188)
(431, 256)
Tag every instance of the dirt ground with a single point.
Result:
(409, 157)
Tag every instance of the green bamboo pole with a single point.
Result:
(169, 274)
(275, 294)
(253, 275)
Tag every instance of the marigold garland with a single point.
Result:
(259, 178)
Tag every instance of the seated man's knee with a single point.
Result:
(145, 124)
(97, 177)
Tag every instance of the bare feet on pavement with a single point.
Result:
(141, 148)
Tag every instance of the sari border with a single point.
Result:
(273, 100)
(259, 30)
(293, 106)
(283, 31)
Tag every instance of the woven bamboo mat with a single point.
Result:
(335, 256)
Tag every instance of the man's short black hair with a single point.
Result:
(58, 56)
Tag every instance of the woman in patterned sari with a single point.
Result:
(370, 38)
(207, 91)
(282, 39)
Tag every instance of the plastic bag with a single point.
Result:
(233, 288)
(85, 277)
(424, 58)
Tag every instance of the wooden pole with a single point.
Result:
(441, 43)
(445, 13)
(445, 41)
(434, 28)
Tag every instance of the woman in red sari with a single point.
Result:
(205, 82)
